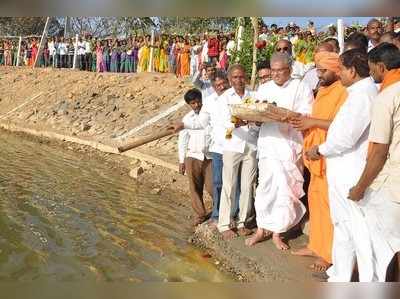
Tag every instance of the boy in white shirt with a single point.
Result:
(194, 158)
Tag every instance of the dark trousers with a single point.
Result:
(199, 174)
(88, 61)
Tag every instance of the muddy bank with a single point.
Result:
(93, 110)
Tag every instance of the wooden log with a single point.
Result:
(144, 140)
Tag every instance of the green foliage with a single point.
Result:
(245, 55)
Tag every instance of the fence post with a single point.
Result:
(19, 50)
(340, 30)
(41, 45)
(150, 68)
(75, 51)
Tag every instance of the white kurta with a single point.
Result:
(345, 150)
(277, 202)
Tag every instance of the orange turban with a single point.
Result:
(328, 60)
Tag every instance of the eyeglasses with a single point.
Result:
(284, 49)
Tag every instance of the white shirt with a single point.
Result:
(203, 84)
(311, 78)
(242, 136)
(230, 46)
(52, 49)
(62, 47)
(263, 36)
(210, 116)
(346, 144)
(370, 45)
(81, 48)
(280, 140)
(298, 70)
(193, 143)
(87, 47)
(204, 52)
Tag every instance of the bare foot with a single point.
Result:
(320, 265)
(259, 236)
(212, 223)
(303, 252)
(244, 231)
(228, 235)
(276, 238)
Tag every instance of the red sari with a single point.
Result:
(33, 54)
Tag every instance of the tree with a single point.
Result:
(24, 26)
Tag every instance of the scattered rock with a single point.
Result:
(136, 172)
(156, 191)
(85, 127)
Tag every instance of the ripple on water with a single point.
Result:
(69, 217)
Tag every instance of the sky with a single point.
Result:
(318, 21)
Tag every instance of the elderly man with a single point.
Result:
(345, 150)
(277, 203)
(239, 151)
(374, 31)
(330, 98)
(380, 180)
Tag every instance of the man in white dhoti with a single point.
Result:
(277, 202)
(345, 150)
(380, 180)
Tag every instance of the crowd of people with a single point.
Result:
(340, 147)
(181, 55)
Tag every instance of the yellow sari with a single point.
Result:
(144, 58)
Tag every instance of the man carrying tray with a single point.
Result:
(277, 203)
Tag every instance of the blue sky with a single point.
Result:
(318, 21)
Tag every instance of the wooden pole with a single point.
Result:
(340, 30)
(41, 45)
(75, 51)
(239, 35)
(144, 140)
(19, 51)
(150, 68)
(66, 27)
(254, 22)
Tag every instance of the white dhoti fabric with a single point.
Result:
(351, 242)
(382, 216)
(277, 203)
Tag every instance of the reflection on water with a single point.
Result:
(67, 217)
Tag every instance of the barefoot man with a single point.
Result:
(345, 150)
(277, 202)
(330, 97)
